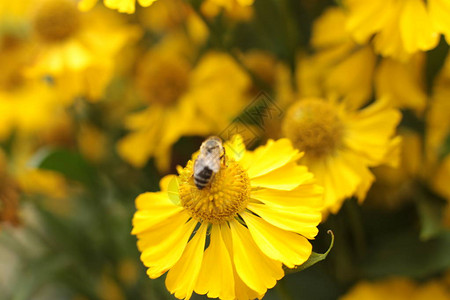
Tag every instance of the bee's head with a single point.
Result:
(212, 145)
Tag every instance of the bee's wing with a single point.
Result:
(213, 163)
(199, 164)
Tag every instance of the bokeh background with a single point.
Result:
(98, 104)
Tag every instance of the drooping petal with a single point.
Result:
(440, 15)
(300, 220)
(182, 277)
(272, 156)
(305, 195)
(287, 177)
(153, 208)
(287, 247)
(242, 291)
(216, 276)
(366, 17)
(370, 131)
(418, 32)
(163, 245)
(255, 269)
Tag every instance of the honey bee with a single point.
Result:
(208, 161)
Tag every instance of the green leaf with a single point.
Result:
(38, 273)
(314, 258)
(69, 163)
(435, 60)
(444, 149)
(430, 210)
(402, 254)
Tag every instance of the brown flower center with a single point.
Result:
(56, 20)
(314, 126)
(163, 79)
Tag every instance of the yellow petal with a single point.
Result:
(402, 82)
(300, 220)
(417, 31)
(366, 17)
(182, 277)
(370, 130)
(241, 289)
(85, 5)
(163, 245)
(255, 269)
(216, 276)
(271, 156)
(287, 247)
(287, 177)
(146, 3)
(125, 6)
(440, 15)
(305, 195)
(235, 147)
(153, 208)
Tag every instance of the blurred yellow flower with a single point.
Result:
(403, 82)
(259, 212)
(335, 53)
(77, 51)
(169, 16)
(398, 288)
(400, 27)
(182, 100)
(21, 110)
(123, 6)
(341, 144)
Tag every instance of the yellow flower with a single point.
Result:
(171, 15)
(400, 27)
(258, 213)
(123, 6)
(398, 288)
(336, 54)
(403, 82)
(21, 110)
(340, 144)
(78, 51)
(182, 100)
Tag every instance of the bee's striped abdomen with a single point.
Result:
(202, 178)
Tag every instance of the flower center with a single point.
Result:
(226, 195)
(163, 79)
(56, 20)
(313, 126)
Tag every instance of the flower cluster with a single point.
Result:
(321, 116)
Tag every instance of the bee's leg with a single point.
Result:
(224, 157)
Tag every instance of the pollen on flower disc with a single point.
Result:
(226, 195)
(56, 20)
(314, 126)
